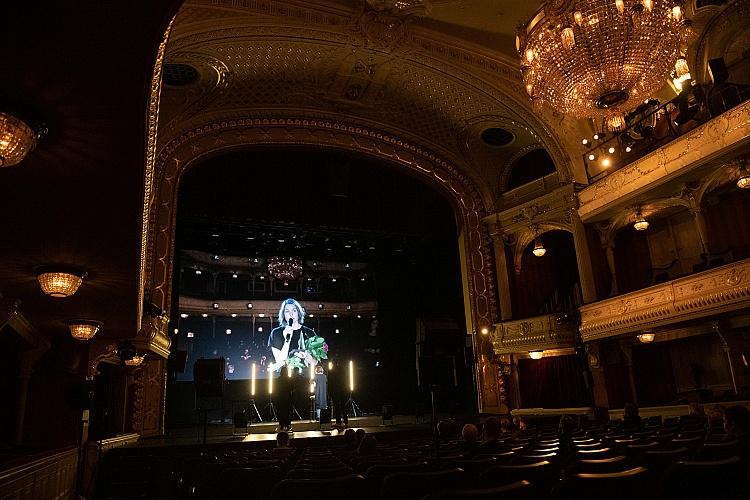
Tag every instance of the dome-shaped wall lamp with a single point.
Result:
(640, 223)
(743, 180)
(16, 140)
(83, 329)
(646, 337)
(539, 249)
(59, 281)
(536, 354)
(136, 360)
(484, 330)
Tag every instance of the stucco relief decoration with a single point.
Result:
(382, 29)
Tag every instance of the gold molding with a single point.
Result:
(551, 331)
(715, 291)
(718, 136)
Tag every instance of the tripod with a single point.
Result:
(356, 410)
(254, 411)
(271, 409)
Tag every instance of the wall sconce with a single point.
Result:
(539, 249)
(743, 181)
(83, 329)
(136, 360)
(59, 281)
(536, 354)
(484, 330)
(640, 224)
(16, 140)
(646, 337)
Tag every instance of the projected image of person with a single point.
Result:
(294, 347)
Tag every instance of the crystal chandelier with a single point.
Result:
(16, 140)
(83, 329)
(285, 268)
(59, 282)
(600, 58)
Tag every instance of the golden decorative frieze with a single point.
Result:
(719, 290)
(553, 207)
(725, 132)
(154, 335)
(551, 331)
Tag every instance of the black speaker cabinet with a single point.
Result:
(717, 68)
(180, 359)
(208, 375)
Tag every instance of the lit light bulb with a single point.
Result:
(628, 149)
(585, 141)
(605, 162)
(592, 157)
(611, 150)
(620, 6)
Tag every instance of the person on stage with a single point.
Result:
(287, 343)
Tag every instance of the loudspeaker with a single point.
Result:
(717, 68)
(180, 359)
(325, 416)
(387, 413)
(208, 375)
(240, 419)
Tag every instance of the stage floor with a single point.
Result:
(304, 430)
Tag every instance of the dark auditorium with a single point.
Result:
(375, 250)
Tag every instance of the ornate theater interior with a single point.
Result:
(484, 212)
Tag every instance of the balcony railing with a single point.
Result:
(652, 125)
(551, 331)
(715, 291)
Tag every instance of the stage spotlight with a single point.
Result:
(234, 315)
(261, 277)
(335, 316)
(321, 306)
(198, 272)
(261, 315)
(348, 307)
(333, 280)
(260, 328)
(215, 235)
(205, 315)
(229, 331)
(311, 315)
(362, 278)
(359, 316)
(337, 330)
(249, 305)
(215, 305)
(184, 315)
(190, 335)
(348, 266)
(234, 275)
(215, 257)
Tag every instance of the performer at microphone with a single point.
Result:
(287, 341)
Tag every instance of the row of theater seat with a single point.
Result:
(612, 461)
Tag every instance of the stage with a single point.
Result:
(306, 431)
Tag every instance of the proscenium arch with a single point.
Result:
(214, 138)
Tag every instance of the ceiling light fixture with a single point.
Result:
(83, 329)
(17, 139)
(646, 337)
(58, 281)
(640, 223)
(600, 58)
(285, 268)
(743, 179)
(536, 354)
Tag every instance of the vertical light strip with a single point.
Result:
(351, 375)
(252, 380)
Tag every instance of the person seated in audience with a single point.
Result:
(696, 415)
(737, 426)
(283, 445)
(469, 441)
(368, 446)
(491, 437)
(566, 427)
(630, 416)
(715, 423)
(360, 435)
(519, 424)
(350, 439)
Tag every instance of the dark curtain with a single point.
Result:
(728, 228)
(553, 382)
(546, 284)
(632, 260)
(652, 371)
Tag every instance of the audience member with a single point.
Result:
(350, 439)
(283, 446)
(368, 446)
(469, 441)
(630, 417)
(519, 424)
(360, 435)
(491, 437)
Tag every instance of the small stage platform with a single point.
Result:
(304, 431)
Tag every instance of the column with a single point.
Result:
(585, 271)
(728, 353)
(501, 272)
(610, 248)
(700, 227)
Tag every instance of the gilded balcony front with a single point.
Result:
(551, 331)
(718, 136)
(711, 292)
